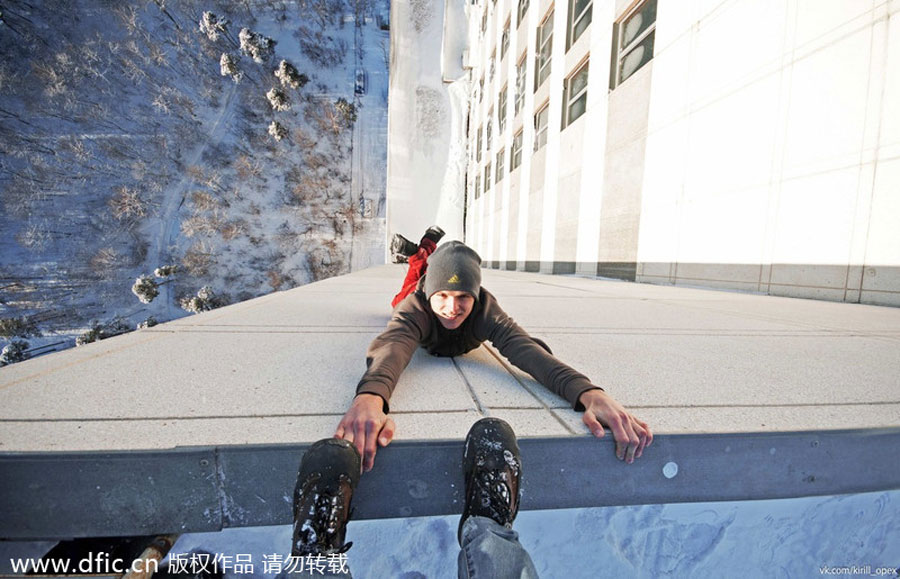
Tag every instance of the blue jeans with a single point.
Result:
(490, 550)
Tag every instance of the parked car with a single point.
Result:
(360, 81)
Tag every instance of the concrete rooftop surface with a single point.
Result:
(198, 424)
(283, 368)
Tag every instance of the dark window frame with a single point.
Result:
(573, 32)
(489, 133)
(515, 152)
(522, 10)
(504, 40)
(644, 38)
(521, 75)
(502, 99)
(569, 100)
(540, 134)
(478, 144)
(543, 50)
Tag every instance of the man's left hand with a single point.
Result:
(632, 435)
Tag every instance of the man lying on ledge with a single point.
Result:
(447, 312)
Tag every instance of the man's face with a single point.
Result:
(452, 307)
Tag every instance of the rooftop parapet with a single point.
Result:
(199, 423)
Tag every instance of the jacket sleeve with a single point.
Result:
(390, 352)
(532, 355)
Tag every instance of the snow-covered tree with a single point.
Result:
(257, 46)
(322, 49)
(21, 327)
(115, 327)
(35, 237)
(148, 323)
(13, 352)
(346, 111)
(88, 336)
(228, 66)
(277, 130)
(206, 293)
(205, 300)
(145, 288)
(278, 99)
(211, 25)
(288, 74)
(128, 203)
(161, 104)
(165, 270)
(100, 332)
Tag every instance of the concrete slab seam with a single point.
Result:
(240, 330)
(565, 287)
(528, 389)
(478, 405)
(710, 333)
(211, 417)
(797, 405)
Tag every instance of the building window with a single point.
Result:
(504, 41)
(481, 89)
(493, 67)
(488, 134)
(523, 9)
(520, 84)
(540, 126)
(487, 177)
(477, 186)
(484, 21)
(478, 146)
(633, 42)
(501, 111)
(501, 158)
(516, 152)
(542, 53)
(575, 95)
(579, 19)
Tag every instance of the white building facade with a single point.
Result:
(741, 144)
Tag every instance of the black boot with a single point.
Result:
(329, 473)
(434, 233)
(492, 468)
(402, 248)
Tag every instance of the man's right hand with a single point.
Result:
(366, 424)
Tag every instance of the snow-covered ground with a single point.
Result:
(369, 161)
(766, 539)
(124, 148)
(804, 537)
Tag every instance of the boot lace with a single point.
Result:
(493, 494)
(322, 528)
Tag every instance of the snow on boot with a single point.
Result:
(434, 233)
(492, 468)
(329, 473)
(402, 248)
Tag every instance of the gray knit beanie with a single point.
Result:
(453, 266)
